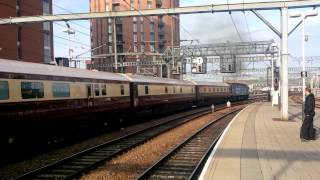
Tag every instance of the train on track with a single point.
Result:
(37, 100)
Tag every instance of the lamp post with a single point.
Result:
(303, 16)
(69, 31)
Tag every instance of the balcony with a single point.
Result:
(116, 1)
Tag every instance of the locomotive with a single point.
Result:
(37, 99)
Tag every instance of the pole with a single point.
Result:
(284, 64)
(272, 77)
(303, 67)
(172, 50)
(272, 74)
(115, 45)
(69, 49)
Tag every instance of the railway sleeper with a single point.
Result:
(176, 168)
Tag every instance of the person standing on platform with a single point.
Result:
(307, 131)
(228, 104)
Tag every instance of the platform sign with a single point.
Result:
(199, 65)
(228, 64)
(304, 74)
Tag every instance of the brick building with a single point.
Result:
(32, 42)
(134, 35)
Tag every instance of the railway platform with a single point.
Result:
(258, 145)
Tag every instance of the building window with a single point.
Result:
(151, 47)
(4, 90)
(47, 55)
(135, 48)
(146, 89)
(61, 90)
(139, 4)
(174, 89)
(142, 48)
(180, 89)
(46, 7)
(151, 27)
(135, 37)
(31, 90)
(166, 89)
(149, 4)
(103, 90)
(46, 26)
(121, 90)
(110, 38)
(135, 27)
(47, 47)
(134, 19)
(116, 7)
(142, 37)
(141, 27)
(96, 90)
(131, 4)
(152, 37)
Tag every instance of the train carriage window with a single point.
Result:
(30, 90)
(103, 90)
(97, 90)
(4, 90)
(61, 90)
(146, 90)
(122, 90)
(166, 89)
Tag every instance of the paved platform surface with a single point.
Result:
(258, 145)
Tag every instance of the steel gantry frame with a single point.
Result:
(254, 6)
(212, 8)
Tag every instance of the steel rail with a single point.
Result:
(187, 159)
(75, 165)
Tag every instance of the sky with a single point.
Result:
(208, 28)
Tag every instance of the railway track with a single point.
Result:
(187, 159)
(298, 99)
(75, 165)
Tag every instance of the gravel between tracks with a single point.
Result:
(130, 164)
(16, 169)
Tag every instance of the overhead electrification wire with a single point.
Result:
(245, 17)
(30, 5)
(234, 24)
(80, 25)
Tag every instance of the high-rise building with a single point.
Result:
(32, 42)
(138, 38)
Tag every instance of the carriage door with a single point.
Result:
(134, 95)
(90, 95)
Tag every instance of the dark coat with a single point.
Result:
(309, 105)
